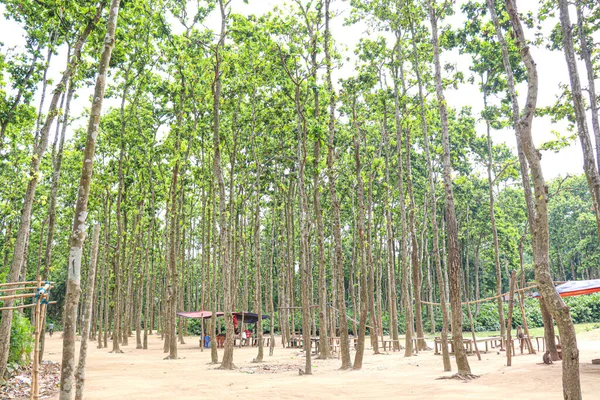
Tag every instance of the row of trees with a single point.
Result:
(236, 172)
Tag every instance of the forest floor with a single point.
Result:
(144, 375)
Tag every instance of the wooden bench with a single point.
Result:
(390, 343)
(467, 343)
(266, 341)
(537, 340)
(296, 342)
(493, 342)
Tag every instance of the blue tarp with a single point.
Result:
(576, 288)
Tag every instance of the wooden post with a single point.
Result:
(525, 326)
(34, 392)
(509, 343)
(473, 331)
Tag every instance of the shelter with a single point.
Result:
(249, 318)
(576, 288)
(198, 314)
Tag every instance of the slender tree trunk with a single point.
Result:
(434, 217)
(540, 231)
(360, 346)
(374, 330)
(589, 162)
(404, 235)
(258, 282)
(416, 265)
(303, 222)
(223, 245)
(338, 267)
(494, 228)
(587, 58)
(454, 267)
(87, 310)
(79, 230)
(391, 267)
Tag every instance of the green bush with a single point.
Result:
(584, 308)
(21, 340)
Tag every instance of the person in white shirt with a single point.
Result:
(244, 338)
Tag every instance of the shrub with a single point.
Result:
(21, 340)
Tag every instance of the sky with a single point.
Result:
(552, 70)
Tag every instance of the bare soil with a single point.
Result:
(145, 374)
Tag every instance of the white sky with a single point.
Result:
(552, 71)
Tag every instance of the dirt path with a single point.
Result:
(144, 374)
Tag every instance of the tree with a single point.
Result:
(454, 264)
(67, 375)
(523, 127)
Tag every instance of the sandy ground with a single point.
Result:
(144, 374)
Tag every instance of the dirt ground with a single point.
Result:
(144, 374)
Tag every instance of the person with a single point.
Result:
(244, 338)
(248, 336)
(50, 328)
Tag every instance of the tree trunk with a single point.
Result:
(493, 223)
(416, 265)
(434, 218)
(79, 230)
(374, 330)
(589, 162)
(391, 267)
(587, 58)
(540, 231)
(338, 266)
(87, 310)
(511, 304)
(223, 245)
(404, 261)
(303, 221)
(454, 267)
(360, 346)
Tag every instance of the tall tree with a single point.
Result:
(454, 264)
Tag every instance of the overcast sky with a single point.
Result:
(552, 71)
